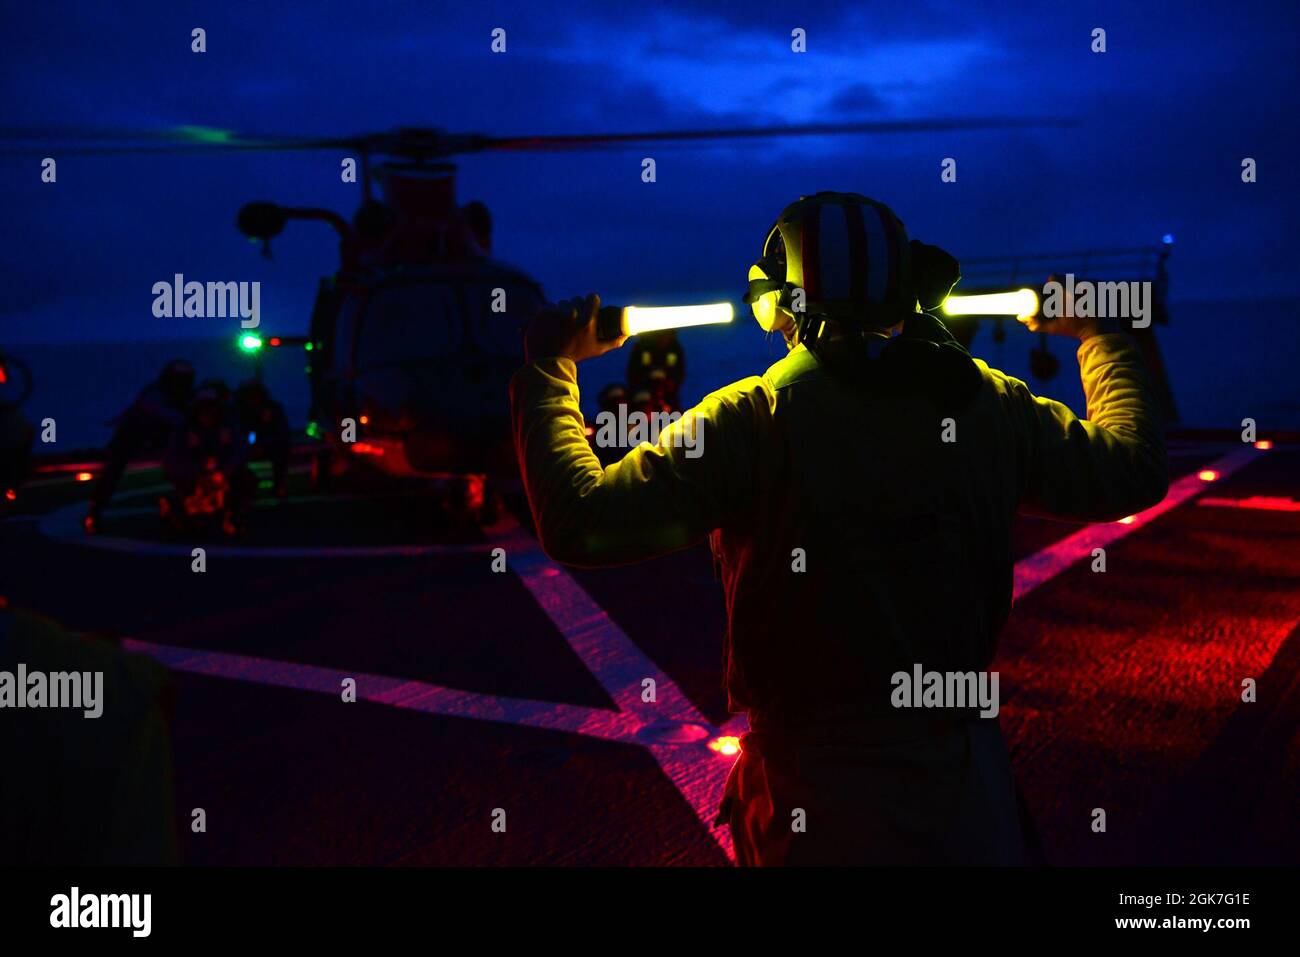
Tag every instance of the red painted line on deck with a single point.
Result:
(1043, 566)
(1263, 503)
(394, 692)
(621, 667)
(616, 662)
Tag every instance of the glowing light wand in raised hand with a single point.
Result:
(615, 321)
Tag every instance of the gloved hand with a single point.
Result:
(567, 329)
(1066, 324)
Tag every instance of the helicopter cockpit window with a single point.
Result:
(410, 322)
(498, 312)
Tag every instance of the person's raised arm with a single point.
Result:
(1113, 463)
(658, 498)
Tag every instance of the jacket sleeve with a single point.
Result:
(657, 498)
(1105, 467)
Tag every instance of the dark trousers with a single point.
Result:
(129, 441)
(944, 799)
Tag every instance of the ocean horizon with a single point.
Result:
(1226, 361)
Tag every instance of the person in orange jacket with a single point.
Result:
(858, 497)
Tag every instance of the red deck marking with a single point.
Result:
(1046, 564)
(394, 692)
(64, 525)
(1264, 503)
(610, 656)
(620, 666)
(697, 771)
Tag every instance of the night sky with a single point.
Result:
(1164, 119)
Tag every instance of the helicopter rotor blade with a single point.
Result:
(172, 140)
(427, 143)
(578, 141)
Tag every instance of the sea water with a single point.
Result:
(1226, 361)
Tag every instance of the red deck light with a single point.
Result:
(727, 745)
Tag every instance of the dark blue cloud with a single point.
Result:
(1164, 118)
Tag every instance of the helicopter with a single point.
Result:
(414, 336)
(412, 341)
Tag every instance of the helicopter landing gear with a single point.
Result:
(468, 499)
(325, 469)
(489, 513)
(320, 471)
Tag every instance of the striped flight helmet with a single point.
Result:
(848, 254)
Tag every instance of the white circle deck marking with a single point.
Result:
(63, 525)
(605, 650)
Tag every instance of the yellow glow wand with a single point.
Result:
(1022, 303)
(615, 321)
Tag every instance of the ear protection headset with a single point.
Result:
(847, 258)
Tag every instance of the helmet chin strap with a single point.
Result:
(804, 330)
(809, 329)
